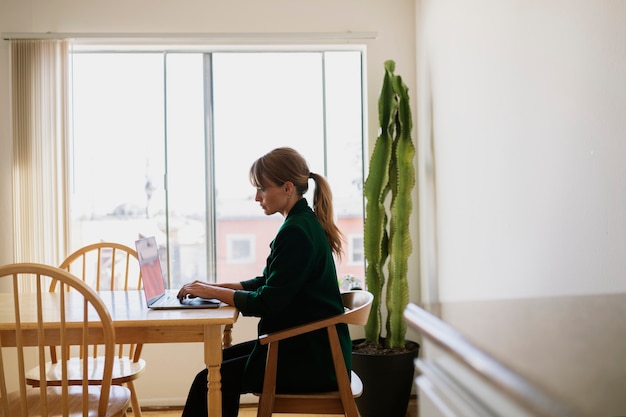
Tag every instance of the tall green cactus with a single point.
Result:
(386, 233)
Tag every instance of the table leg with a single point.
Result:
(227, 339)
(213, 360)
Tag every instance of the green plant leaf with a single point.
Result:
(386, 235)
(401, 208)
(376, 188)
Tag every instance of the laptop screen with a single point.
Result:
(150, 265)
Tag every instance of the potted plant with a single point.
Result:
(387, 246)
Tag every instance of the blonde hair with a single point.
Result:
(286, 164)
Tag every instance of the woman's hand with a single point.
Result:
(224, 293)
(196, 288)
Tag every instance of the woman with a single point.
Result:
(298, 285)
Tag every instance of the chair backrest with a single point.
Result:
(358, 304)
(105, 266)
(37, 320)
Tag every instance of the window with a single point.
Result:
(163, 141)
(355, 249)
(240, 249)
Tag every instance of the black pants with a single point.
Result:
(233, 364)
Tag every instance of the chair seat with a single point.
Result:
(119, 401)
(124, 370)
(317, 402)
(356, 385)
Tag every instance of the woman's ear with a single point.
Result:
(289, 188)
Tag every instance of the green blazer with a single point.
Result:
(298, 285)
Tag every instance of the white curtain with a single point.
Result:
(40, 95)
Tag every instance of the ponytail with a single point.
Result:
(323, 208)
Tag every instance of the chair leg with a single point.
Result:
(350, 409)
(264, 409)
(133, 399)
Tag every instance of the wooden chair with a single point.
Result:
(37, 320)
(357, 304)
(103, 266)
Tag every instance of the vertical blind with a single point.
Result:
(40, 95)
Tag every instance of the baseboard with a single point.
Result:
(178, 403)
(162, 403)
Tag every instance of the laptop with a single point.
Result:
(154, 284)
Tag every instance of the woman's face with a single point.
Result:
(273, 199)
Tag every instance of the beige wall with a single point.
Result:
(522, 117)
(392, 21)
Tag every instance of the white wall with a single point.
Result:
(392, 20)
(519, 117)
(522, 109)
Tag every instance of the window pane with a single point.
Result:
(345, 153)
(262, 101)
(118, 153)
(186, 169)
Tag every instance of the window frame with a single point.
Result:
(207, 51)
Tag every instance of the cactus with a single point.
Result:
(387, 237)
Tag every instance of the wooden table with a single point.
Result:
(135, 323)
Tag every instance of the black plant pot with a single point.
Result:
(387, 380)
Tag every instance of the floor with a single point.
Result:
(250, 411)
